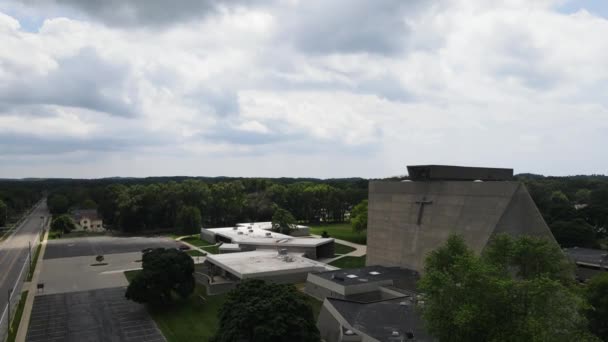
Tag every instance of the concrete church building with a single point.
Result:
(409, 219)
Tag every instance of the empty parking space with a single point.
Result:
(98, 315)
(103, 245)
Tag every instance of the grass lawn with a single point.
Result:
(34, 262)
(194, 252)
(211, 249)
(349, 262)
(342, 231)
(196, 241)
(188, 320)
(195, 319)
(17, 318)
(342, 249)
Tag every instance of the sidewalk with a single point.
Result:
(31, 287)
(360, 250)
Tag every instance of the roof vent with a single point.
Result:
(235, 228)
(478, 181)
(404, 303)
(395, 333)
(406, 181)
(240, 233)
(349, 332)
(251, 230)
(351, 276)
(283, 251)
(268, 234)
(337, 277)
(374, 273)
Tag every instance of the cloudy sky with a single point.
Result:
(310, 88)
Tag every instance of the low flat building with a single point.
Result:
(279, 267)
(250, 238)
(298, 230)
(392, 320)
(589, 262)
(362, 284)
(87, 220)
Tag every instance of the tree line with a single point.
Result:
(140, 207)
(16, 197)
(575, 208)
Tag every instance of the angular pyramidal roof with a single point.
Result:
(409, 219)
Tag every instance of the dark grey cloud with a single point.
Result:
(150, 13)
(30, 144)
(84, 80)
(350, 26)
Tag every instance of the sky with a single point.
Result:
(301, 88)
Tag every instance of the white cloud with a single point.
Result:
(505, 83)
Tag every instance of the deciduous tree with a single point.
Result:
(516, 291)
(257, 311)
(283, 222)
(189, 220)
(164, 272)
(358, 217)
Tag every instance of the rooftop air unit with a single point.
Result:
(268, 234)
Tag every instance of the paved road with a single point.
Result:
(14, 251)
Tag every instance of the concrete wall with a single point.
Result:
(328, 325)
(471, 209)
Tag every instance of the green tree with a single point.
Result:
(283, 221)
(257, 311)
(164, 272)
(3, 213)
(597, 296)
(516, 291)
(189, 220)
(358, 217)
(88, 204)
(63, 224)
(58, 204)
(576, 233)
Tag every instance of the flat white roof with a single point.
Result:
(264, 263)
(264, 225)
(258, 236)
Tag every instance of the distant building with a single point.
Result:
(87, 220)
(252, 237)
(409, 219)
(589, 262)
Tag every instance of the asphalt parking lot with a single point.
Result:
(103, 245)
(91, 316)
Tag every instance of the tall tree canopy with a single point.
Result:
(257, 311)
(518, 290)
(58, 204)
(3, 213)
(62, 223)
(164, 272)
(283, 222)
(189, 220)
(597, 295)
(358, 217)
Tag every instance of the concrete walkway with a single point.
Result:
(31, 287)
(360, 250)
(197, 260)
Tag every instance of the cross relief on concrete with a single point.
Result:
(421, 205)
